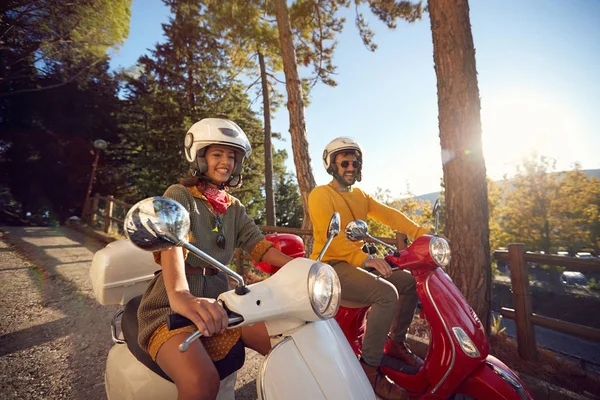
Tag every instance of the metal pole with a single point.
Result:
(89, 188)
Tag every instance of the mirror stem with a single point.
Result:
(389, 246)
(241, 286)
(322, 253)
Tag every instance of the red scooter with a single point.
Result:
(457, 364)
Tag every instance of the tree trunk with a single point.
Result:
(295, 105)
(467, 224)
(270, 196)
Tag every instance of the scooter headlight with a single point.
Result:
(440, 251)
(324, 290)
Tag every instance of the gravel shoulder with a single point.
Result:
(54, 336)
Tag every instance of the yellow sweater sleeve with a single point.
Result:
(394, 218)
(321, 206)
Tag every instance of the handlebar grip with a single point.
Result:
(176, 321)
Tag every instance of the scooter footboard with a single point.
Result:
(494, 380)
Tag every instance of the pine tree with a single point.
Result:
(184, 79)
(467, 218)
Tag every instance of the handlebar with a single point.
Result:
(375, 272)
(175, 321)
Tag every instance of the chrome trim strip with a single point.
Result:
(516, 385)
(113, 328)
(260, 382)
(447, 334)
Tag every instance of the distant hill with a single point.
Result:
(434, 195)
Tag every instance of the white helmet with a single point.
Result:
(216, 131)
(337, 145)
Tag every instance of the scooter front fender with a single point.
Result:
(314, 361)
(494, 380)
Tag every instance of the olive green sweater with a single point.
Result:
(239, 231)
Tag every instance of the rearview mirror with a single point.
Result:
(357, 230)
(332, 231)
(157, 223)
(334, 226)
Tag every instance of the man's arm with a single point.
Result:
(394, 218)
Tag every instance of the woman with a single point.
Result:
(216, 148)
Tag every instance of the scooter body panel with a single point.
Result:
(296, 368)
(128, 379)
(494, 380)
(446, 364)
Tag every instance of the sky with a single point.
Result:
(538, 64)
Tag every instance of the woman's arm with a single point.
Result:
(276, 258)
(206, 313)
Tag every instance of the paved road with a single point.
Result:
(579, 349)
(54, 336)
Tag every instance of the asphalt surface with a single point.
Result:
(54, 336)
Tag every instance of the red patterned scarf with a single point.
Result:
(217, 198)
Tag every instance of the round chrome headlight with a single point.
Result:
(440, 251)
(324, 290)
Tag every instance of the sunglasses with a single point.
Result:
(346, 163)
(221, 242)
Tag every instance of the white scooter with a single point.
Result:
(310, 357)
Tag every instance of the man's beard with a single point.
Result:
(343, 180)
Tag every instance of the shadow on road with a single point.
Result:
(62, 258)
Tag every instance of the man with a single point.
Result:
(393, 299)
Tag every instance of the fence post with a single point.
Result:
(108, 214)
(400, 240)
(94, 212)
(238, 261)
(519, 278)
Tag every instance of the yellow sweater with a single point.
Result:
(324, 200)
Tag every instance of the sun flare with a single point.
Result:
(518, 124)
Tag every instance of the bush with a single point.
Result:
(593, 285)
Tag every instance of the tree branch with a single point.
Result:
(275, 78)
(6, 94)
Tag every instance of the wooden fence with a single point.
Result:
(524, 318)
(108, 213)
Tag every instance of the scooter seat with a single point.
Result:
(233, 361)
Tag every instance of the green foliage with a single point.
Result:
(593, 285)
(417, 210)
(547, 210)
(47, 141)
(498, 236)
(56, 97)
(185, 79)
(388, 12)
(497, 324)
(289, 203)
(44, 36)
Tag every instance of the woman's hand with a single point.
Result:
(380, 265)
(206, 313)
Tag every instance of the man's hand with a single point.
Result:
(380, 265)
(206, 313)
